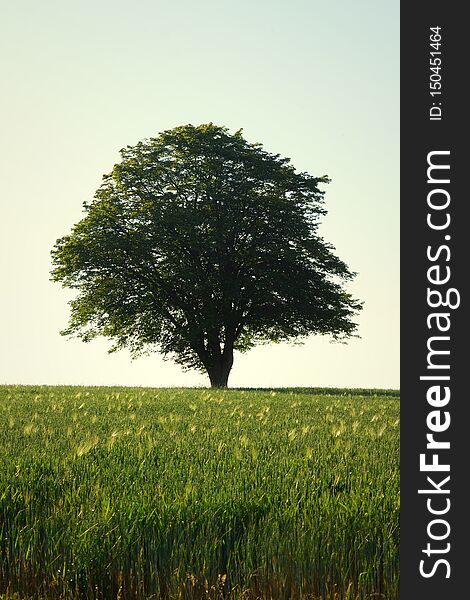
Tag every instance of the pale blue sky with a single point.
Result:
(315, 81)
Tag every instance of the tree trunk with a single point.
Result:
(220, 371)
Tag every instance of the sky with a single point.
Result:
(316, 81)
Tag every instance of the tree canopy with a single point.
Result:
(199, 243)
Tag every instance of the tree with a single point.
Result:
(199, 243)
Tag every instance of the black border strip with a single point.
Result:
(421, 135)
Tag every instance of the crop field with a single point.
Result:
(139, 493)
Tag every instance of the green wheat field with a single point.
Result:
(139, 493)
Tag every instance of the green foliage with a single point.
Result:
(198, 243)
(147, 493)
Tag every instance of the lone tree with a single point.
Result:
(199, 243)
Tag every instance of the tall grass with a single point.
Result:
(119, 493)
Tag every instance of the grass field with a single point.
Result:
(133, 493)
